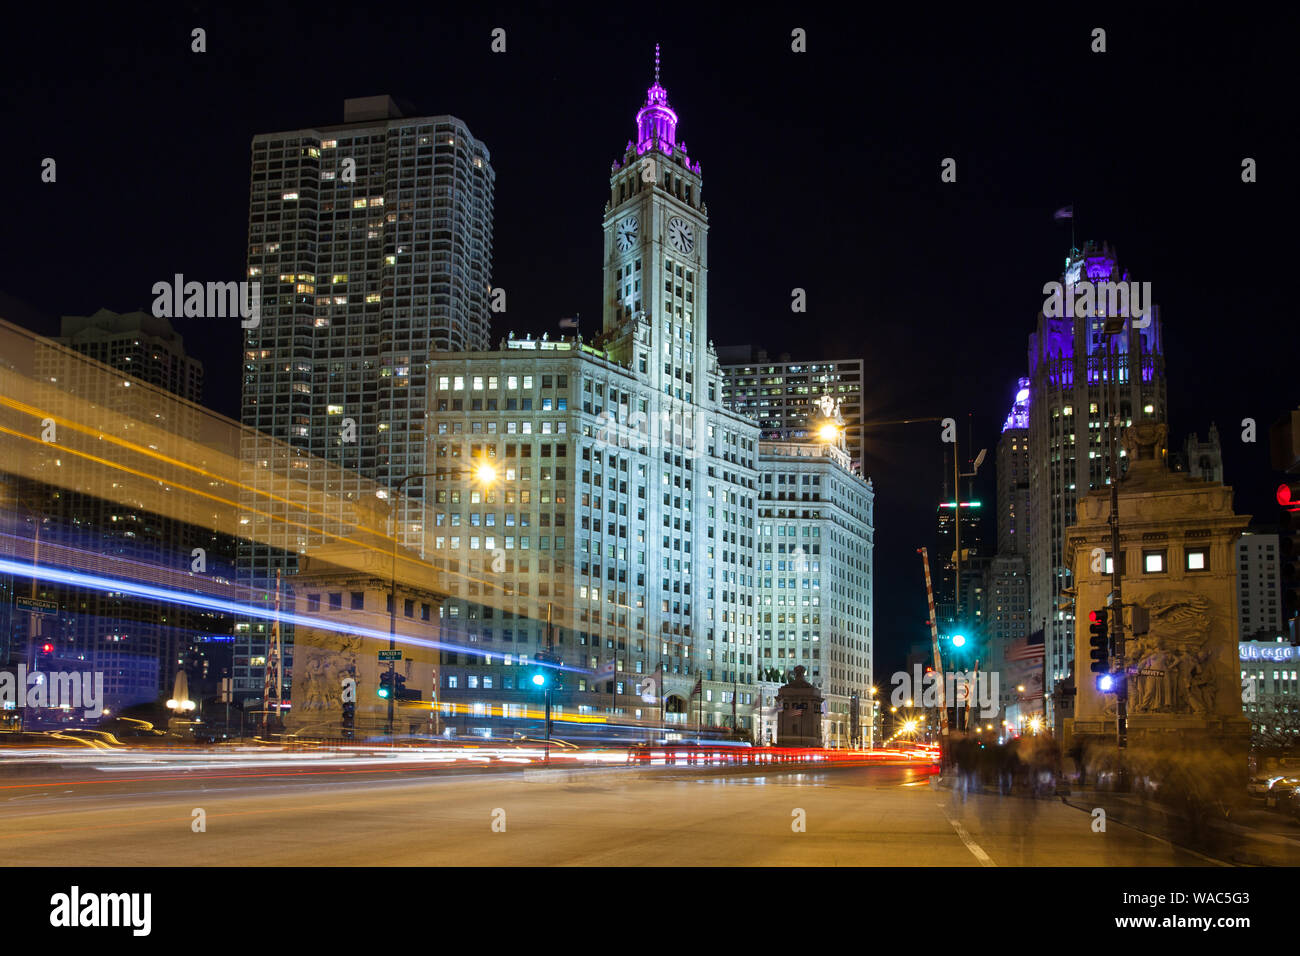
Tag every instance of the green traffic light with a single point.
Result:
(959, 640)
(539, 679)
(382, 692)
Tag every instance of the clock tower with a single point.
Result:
(656, 256)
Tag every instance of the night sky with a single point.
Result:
(821, 171)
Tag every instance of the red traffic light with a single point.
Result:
(1288, 495)
(47, 648)
(1094, 617)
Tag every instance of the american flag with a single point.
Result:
(1025, 650)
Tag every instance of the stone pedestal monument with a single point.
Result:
(1178, 559)
(799, 713)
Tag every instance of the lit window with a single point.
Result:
(1197, 560)
(1153, 562)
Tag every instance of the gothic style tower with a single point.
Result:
(656, 260)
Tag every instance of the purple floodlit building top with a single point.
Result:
(656, 124)
(1063, 348)
(1018, 417)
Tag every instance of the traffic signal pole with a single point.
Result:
(1116, 578)
(550, 657)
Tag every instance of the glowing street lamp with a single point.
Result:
(485, 474)
(830, 425)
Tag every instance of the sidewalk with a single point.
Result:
(1255, 837)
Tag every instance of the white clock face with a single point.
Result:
(680, 235)
(625, 233)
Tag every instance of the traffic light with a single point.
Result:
(540, 678)
(399, 688)
(385, 688)
(349, 718)
(47, 650)
(1099, 640)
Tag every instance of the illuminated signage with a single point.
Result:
(1263, 651)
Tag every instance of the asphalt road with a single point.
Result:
(886, 816)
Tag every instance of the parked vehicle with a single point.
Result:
(1291, 804)
(1280, 789)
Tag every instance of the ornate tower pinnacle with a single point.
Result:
(656, 123)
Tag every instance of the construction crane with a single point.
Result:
(934, 638)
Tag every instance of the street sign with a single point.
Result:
(390, 655)
(37, 605)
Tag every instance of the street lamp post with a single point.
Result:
(1113, 326)
(392, 597)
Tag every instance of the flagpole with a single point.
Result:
(663, 699)
(699, 716)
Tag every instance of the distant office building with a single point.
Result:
(1270, 680)
(943, 565)
(814, 572)
(1072, 381)
(372, 240)
(1200, 459)
(1014, 501)
(1259, 605)
(137, 649)
(782, 395)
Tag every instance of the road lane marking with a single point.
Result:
(975, 848)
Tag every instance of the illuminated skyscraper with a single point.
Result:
(373, 244)
(634, 505)
(1071, 388)
(782, 395)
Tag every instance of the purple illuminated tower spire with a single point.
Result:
(656, 122)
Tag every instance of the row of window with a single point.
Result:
(1156, 561)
